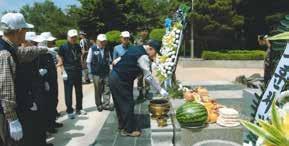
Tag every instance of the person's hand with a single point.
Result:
(46, 86)
(34, 107)
(15, 130)
(27, 44)
(64, 75)
(43, 72)
(164, 93)
(116, 61)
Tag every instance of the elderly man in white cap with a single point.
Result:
(14, 29)
(98, 61)
(120, 49)
(70, 58)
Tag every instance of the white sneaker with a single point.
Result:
(71, 115)
(81, 112)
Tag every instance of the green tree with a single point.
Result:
(157, 34)
(217, 25)
(46, 16)
(261, 17)
(99, 16)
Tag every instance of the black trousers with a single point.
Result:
(51, 110)
(122, 94)
(74, 80)
(52, 101)
(34, 130)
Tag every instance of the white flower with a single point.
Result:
(165, 75)
(177, 36)
(178, 31)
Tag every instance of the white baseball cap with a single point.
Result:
(1, 33)
(72, 33)
(39, 39)
(101, 37)
(30, 36)
(48, 36)
(14, 21)
(125, 34)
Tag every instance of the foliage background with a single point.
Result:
(217, 24)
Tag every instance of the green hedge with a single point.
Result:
(157, 34)
(60, 43)
(113, 36)
(234, 55)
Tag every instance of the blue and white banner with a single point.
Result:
(275, 86)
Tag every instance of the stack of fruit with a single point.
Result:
(201, 95)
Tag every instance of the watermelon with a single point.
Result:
(192, 114)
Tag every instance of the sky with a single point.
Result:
(17, 4)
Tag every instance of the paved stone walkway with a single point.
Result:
(110, 136)
(83, 130)
(213, 74)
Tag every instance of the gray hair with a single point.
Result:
(7, 30)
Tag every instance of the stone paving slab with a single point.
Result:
(214, 85)
(110, 136)
(212, 132)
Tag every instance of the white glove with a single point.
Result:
(15, 128)
(46, 86)
(164, 93)
(43, 72)
(64, 75)
(34, 107)
(116, 61)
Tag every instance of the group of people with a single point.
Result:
(28, 84)
(28, 79)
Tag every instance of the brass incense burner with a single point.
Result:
(159, 108)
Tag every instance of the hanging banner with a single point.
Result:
(275, 86)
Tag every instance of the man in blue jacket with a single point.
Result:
(120, 49)
(70, 58)
(135, 61)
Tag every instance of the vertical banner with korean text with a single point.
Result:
(275, 86)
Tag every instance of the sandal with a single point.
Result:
(132, 134)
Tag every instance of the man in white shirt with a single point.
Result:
(98, 61)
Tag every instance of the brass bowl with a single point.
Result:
(159, 108)
(162, 122)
